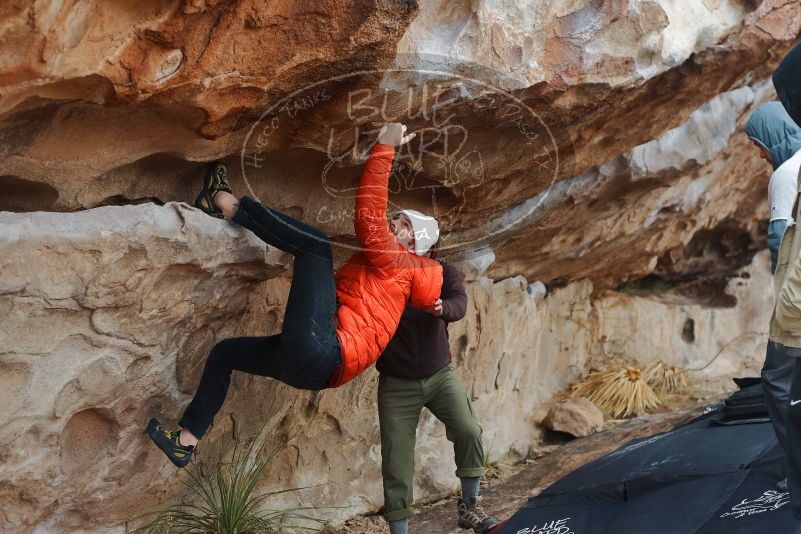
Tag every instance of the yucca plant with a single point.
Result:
(666, 379)
(620, 392)
(225, 502)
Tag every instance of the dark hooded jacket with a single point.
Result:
(787, 81)
(771, 127)
(420, 346)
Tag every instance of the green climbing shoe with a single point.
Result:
(216, 180)
(168, 442)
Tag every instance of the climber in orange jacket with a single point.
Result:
(336, 324)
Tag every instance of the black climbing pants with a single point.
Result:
(777, 374)
(794, 439)
(306, 353)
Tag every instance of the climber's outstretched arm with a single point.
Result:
(370, 216)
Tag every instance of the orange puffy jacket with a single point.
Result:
(375, 285)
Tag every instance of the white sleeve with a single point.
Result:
(782, 192)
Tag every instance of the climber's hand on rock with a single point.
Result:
(436, 311)
(392, 133)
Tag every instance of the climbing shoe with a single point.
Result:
(471, 515)
(168, 442)
(216, 180)
(782, 485)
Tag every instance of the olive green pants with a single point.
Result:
(400, 401)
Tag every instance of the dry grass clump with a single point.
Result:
(493, 469)
(619, 392)
(666, 379)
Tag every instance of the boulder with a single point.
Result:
(578, 417)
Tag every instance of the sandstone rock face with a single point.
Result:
(597, 80)
(577, 417)
(119, 328)
(682, 193)
(92, 343)
(586, 159)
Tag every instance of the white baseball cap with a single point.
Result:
(426, 231)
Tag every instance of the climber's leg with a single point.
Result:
(308, 328)
(312, 297)
(306, 354)
(275, 228)
(254, 355)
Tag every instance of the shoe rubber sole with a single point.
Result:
(468, 526)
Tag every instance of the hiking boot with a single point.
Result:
(782, 485)
(471, 515)
(216, 180)
(168, 442)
